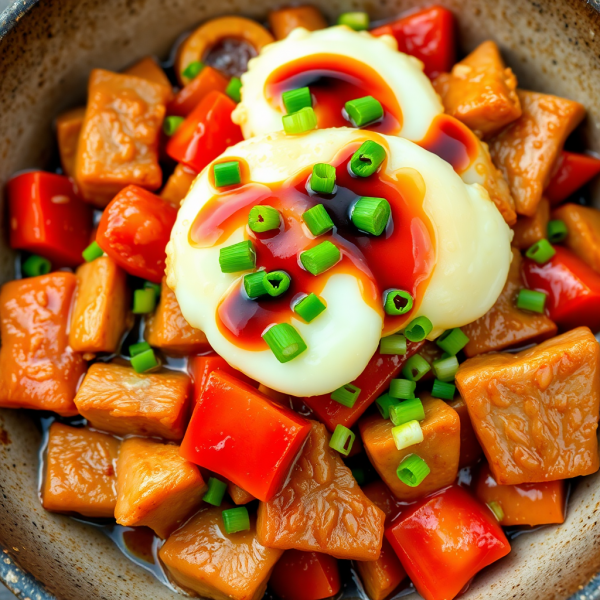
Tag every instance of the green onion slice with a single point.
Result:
(320, 258)
(409, 410)
(496, 509)
(276, 283)
(138, 348)
(193, 69)
(215, 492)
(412, 470)
(359, 21)
(346, 395)
(322, 180)
(254, 286)
(300, 122)
(342, 440)
(155, 287)
(445, 368)
(359, 475)
(285, 342)
(144, 361)
(364, 111)
(384, 403)
(317, 220)
(171, 124)
(397, 302)
(295, 100)
(371, 215)
(452, 341)
(237, 257)
(263, 218)
(227, 173)
(367, 159)
(144, 301)
(557, 231)
(35, 266)
(407, 434)
(416, 366)
(310, 307)
(92, 252)
(402, 388)
(531, 300)
(443, 390)
(234, 89)
(393, 344)
(236, 519)
(418, 329)
(541, 252)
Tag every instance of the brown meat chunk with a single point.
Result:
(178, 184)
(529, 230)
(321, 508)
(68, 128)
(536, 412)
(147, 68)
(238, 495)
(470, 449)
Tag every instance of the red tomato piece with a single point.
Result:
(572, 287)
(570, 173)
(47, 217)
(206, 133)
(240, 434)
(305, 576)
(190, 96)
(444, 540)
(373, 381)
(428, 35)
(200, 368)
(134, 230)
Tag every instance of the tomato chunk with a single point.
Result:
(206, 133)
(570, 173)
(200, 368)
(305, 576)
(428, 35)
(47, 217)
(444, 540)
(241, 435)
(134, 231)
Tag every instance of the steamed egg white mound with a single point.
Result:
(472, 257)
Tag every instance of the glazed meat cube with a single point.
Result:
(68, 128)
(480, 91)
(536, 412)
(238, 495)
(118, 144)
(147, 68)
(470, 449)
(505, 325)
(440, 448)
(202, 557)
(168, 330)
(80, 472)
(119, 400)
(38, 369)
(321, 508)
(284, 20)
(178, 185)
(529, 230)
(528, 148)
(155, 486)
(101, 307)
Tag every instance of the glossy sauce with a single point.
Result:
(333, 81)
(230, 56)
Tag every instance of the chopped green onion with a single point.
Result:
(285, 342)
(342, 440)
(443, 390)
(409, 410)
(359, 475)
(92, 252)
(227, 173)
(496, 509)
(367, 159)
(234, 89)
(35, 266)
(393, 344)
(276, 283)
(254, 286)
(320, 258)
(364, 111)
(445, 368)
(263, 218)
(144, 301)
(416, 366)
(359, 21)
(402, 388)
(237, 257)
(171, 124)
(397, 302)
(300, 122)
(322, 180)
(412, 470)
(215, 492)
(310, 307)
(557, 231)
(346, 395)
(541, 252)
(371, 215)
(384, 403)
(418, 329)
(295, 100)
(138, 348)
(407, 434)
(236, 519)
(150, 285)
(317, 220)
(144, 361)
(531, 300)
(452, 341)
(193, 69)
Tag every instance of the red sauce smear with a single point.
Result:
(402, 257)
(333, 80)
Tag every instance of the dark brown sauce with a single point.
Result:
(230, 56)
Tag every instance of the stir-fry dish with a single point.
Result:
(308, 299)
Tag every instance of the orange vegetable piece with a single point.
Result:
(238, 495)
(80, 472)
(470, 448)
(155, 486)
(527, 149)
(536, 412)
(480, 91)
(38, 369)
(118, 144)
(321, 508)
(186, 100)
(524, 504)
(583, 239)
(101, 308)
(178, 184)
(148, 68)
(504, 325)
(167, 329)
(202, 557)
(284, 20)
(529, 230)
(119, 400)
(68, 127)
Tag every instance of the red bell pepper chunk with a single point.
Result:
(200, 368)
(428, 35)
(134, 230)
(206, 133)
(373, 381)
(570, 173)
(572, 287)
(47, 217)
(240, 434)
(190, 96)
(302, 575)
(444, 540)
